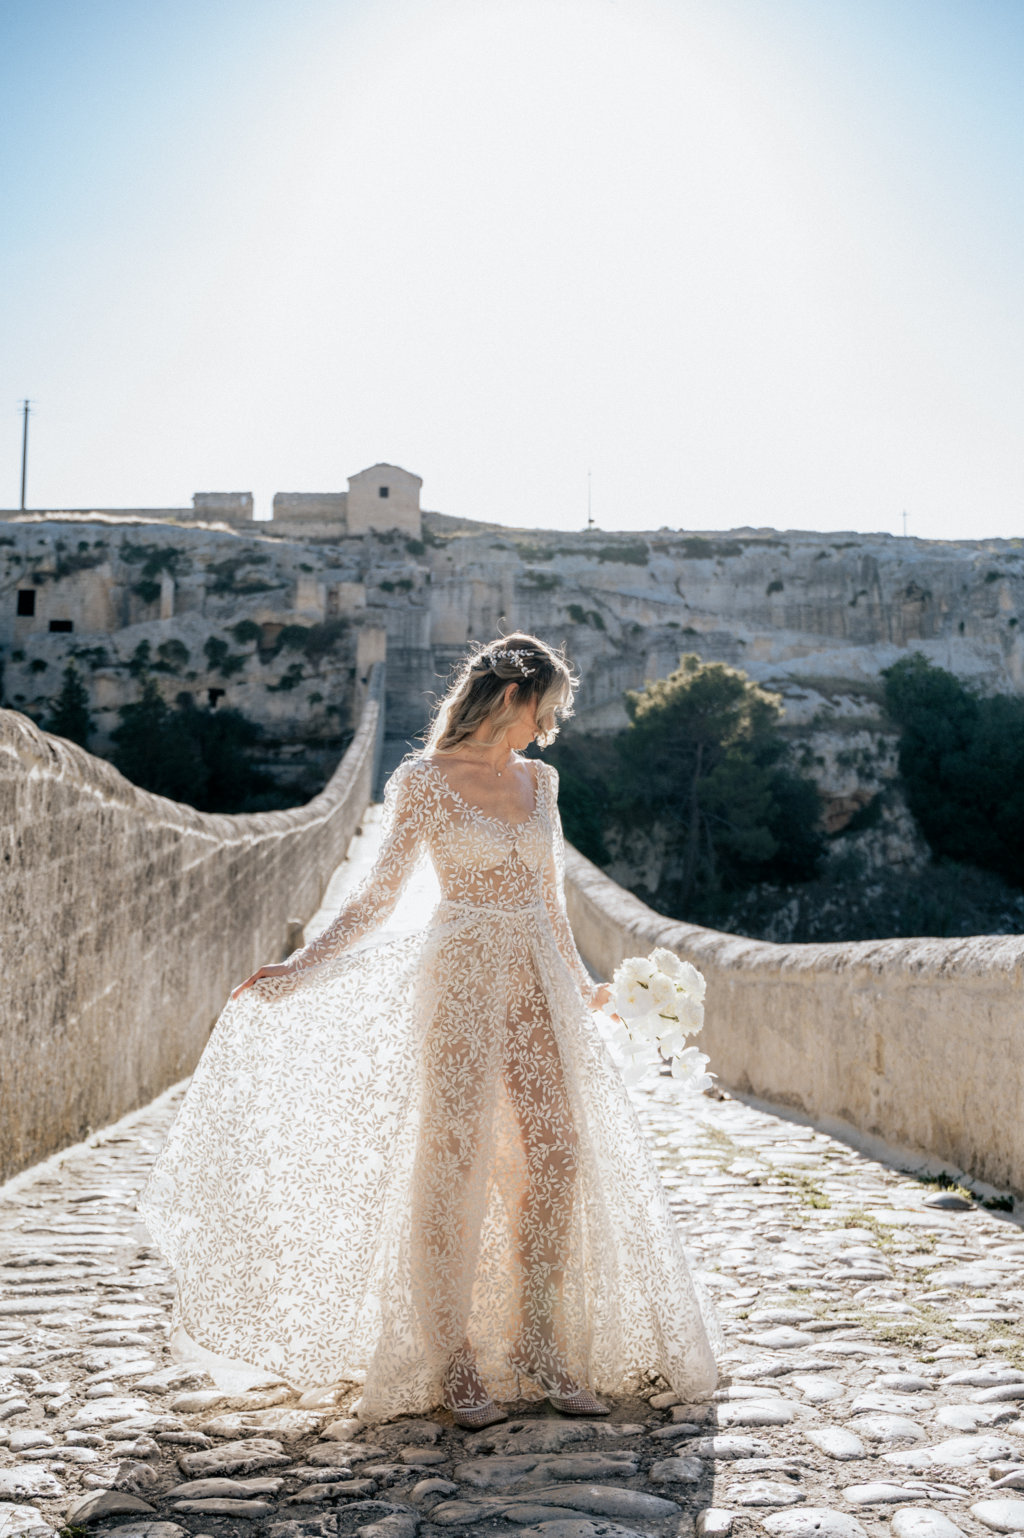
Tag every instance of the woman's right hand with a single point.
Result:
(276, 969)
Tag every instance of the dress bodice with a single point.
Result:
(480, 859)
(482, 862)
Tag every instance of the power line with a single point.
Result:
(26, 407)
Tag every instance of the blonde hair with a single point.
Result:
(477, 696)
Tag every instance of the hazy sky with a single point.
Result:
(745, 261)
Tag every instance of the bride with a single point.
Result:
(408, 1161)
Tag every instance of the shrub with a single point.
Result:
(220, 659)
(172, 656)
(245, 631)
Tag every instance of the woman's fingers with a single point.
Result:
(277, 969)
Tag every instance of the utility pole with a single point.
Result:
(26, 406)
(904, 523)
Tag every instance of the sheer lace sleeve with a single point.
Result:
(554, 887)
(376, 897)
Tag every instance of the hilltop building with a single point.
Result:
(379, 499)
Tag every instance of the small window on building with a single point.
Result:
(383, 491)
(27, 601)
(62, 624)
(213, 695)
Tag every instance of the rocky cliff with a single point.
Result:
(286, 629)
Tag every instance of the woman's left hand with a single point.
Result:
(601, 996)
(275, 969)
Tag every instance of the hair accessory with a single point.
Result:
(514, 655)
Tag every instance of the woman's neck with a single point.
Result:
(496, 755)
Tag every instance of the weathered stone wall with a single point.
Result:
(917, 1042)
(232, 506)
(126, 918)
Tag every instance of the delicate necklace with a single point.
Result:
(499, 772)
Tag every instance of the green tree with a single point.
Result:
(703, 759)
(200, 756)
(71, 717)
(152, 750)
(961, 757)
(225, 740)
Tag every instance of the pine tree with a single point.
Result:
(152, 751)
(71, 718)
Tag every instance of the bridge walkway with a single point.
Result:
(874, 1380)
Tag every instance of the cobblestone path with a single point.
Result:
(874, 1379)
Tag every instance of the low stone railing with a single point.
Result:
(126, 918)
(919, 1043)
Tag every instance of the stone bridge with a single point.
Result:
(875, 1366)
(126, 917)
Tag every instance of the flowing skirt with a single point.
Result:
(423, 1142)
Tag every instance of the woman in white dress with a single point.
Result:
(410, 1162)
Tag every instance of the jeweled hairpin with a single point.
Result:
(514, 655)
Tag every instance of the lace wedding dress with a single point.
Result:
(423, 1139)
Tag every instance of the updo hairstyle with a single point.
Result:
(476, 698)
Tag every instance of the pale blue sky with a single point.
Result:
(747, 261)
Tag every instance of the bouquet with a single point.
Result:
(659, 1001)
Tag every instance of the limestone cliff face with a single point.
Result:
(207, 614)
(793, 607)
(285, 629)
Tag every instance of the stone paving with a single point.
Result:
(874, 1379)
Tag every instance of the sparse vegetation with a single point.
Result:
(245, 631)
(229, 576)
(221, 659)
(290, 679)
(172, 656)
(629, 553)
(93, 656)
(581, 616)
(540, 581)
(85, 558)
(316, 641)
(532, 552)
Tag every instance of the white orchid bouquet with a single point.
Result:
(659, 1001)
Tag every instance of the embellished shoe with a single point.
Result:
(474, 1417)
(580, 1401)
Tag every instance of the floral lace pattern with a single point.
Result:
(408, 1145)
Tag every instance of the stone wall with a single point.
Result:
(917, 1042)
(126, 919)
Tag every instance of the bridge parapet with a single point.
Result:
(916, 1042)
(125, 918)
